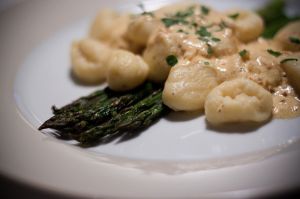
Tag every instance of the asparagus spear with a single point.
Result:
(139, 116)
(274, 17)
(84, 118)
(99, 95)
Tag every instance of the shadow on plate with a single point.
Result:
(182, 116)
(241, 128)
(81, 83)
(118, 137)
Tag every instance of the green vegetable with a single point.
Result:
(274, 17)
(182, 31)
(137, 117)
(168, 22)
(148, 13)
(97, 96)
(244, 54)
(223, 25)
(209, 50)
(274, 53)
(178, 18)
(288, 59)
(215, 39)
(144, 12)
(234, 16)
(74, 122)
(185, 13)
(171, 60)
(205, 10)
(202, 31)
(294, 40)
(272, 11)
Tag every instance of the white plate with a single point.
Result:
(177, 157)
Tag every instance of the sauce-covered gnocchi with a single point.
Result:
(207, 60)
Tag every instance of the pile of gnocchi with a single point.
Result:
(207, 60)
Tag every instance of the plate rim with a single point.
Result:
(17, 167)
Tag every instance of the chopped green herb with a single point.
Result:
(203, 32)
(186, 13)
(144, 12)
(205, 10)
(244, 54)
(148, 13)
(274, 53)
(171, 21)
(209, 50)
(171, 60)
(206, 63)
(234, 16)
(215, 39)
(288, 59)
(203, 39)
(294, 40)
(223, 25)
(194, 24)
(182, 31)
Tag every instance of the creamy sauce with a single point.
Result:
(286, 104)
(259, 66)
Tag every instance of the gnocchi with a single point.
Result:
(89, 58)
(109, 27)
(247, 24)
(155, 55)
(291, 66)
(288, 36)
(140, 29)
(238, 100)
(125, 70)
(188, 85)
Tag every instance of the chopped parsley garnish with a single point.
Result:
(148, 13)
(206, 63)
(215, 39)
(194, 24)
(209, 50)
(288, 59)
(171, 60)
(234, 16)
(244, 54)
(205, 10)
(172, 21)
(186, 13)
(294, 40)
(182, 31)
(169, 22)
(144, 12)
(222, 26)
(178, 18)
(203, 39)
(203, 32)
(274, 53)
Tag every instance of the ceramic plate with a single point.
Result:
(179, 156)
